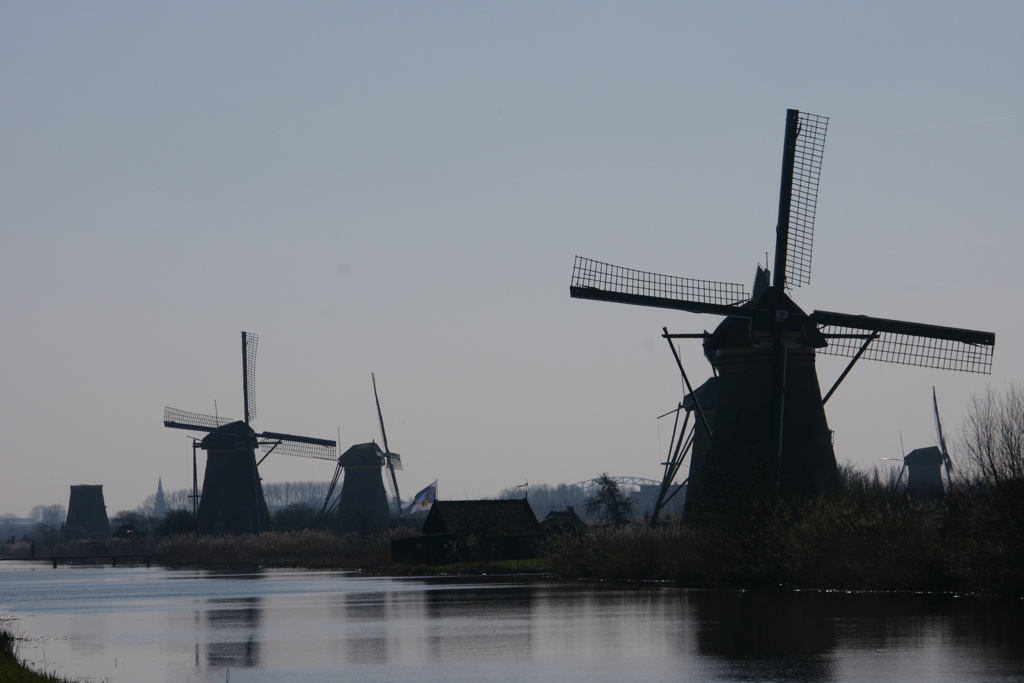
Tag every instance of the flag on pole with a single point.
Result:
(422, 501)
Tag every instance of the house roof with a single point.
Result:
(562, 519)
(507, 517)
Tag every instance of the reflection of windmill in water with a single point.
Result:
(232, 499)
(363, 504)
(769, 436)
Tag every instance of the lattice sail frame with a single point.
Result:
(590, 274)
(908, 349)
(250, 342)
(279, 444)
(184, 419)
(810, 148)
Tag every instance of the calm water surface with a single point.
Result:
(137, 624)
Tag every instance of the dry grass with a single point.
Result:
(312, 549)
(868, 537)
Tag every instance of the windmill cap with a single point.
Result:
(930, 455)
(772, 311)
(362, 455)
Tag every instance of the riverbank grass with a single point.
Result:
(12, 670)
(868, 537)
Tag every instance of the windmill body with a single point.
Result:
(369, 497)
(769, 435)
(232, 500)
(924, 471)
(363, 503)
(87, 514)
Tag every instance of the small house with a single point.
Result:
(472, 531)
(565, 521)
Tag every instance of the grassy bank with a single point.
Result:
(11, 668)
(869, 537)
(307, 549)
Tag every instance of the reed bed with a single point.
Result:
(868, 537)
(306, 548)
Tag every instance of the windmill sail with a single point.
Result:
(390, 459)
(907, 343)
(946, 461)
(249, 342)
(183, 419)
(605, 282)
(803, 149)
(299, 446)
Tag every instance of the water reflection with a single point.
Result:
(232, 632)
(482, 624)
(994, 625)
(366, 633)
(758, 636)
(315, 626)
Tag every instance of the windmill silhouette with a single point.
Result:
(232, 500)
(769, 437)
(364, 504)
(923, 466)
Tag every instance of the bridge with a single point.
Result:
(626, 484)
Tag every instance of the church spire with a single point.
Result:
(160, 503)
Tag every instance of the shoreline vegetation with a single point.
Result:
(12, 670)
(871, 536)
(867, 538)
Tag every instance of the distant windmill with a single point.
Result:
(770, 438)
(87, 514)
(924, 465)
(232, 500)
(363, 503)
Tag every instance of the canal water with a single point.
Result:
(135, 624)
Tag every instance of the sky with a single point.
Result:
(401, 189)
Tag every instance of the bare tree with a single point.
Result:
(990, 446)
(609, 503)
(52, 515)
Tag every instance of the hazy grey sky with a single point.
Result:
(401, 188)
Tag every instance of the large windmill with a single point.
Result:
(363, 504)
(232, 500)
(769, 437)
